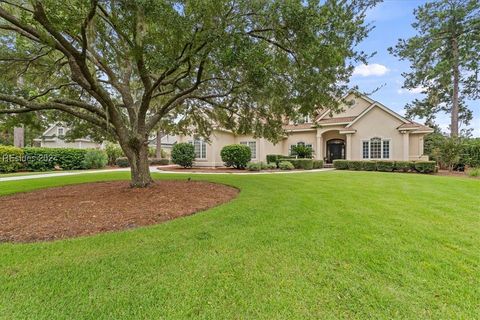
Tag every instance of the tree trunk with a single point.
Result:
(455, 102)
(158, 151)
(139, 166)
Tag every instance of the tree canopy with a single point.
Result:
(445, 60)
(126, 67)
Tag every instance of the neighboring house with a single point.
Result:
(167, 142)
(364, 130)
(54, 137)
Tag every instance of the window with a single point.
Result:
(253, 147)
(60, 131)
(376, 148)
(200, 147)
(365, 149)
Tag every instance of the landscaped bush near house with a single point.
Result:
(113, 152)
(183, 154)
(403, 166)
(317, 164)
(95, 159)
(302, 151)
(276, 158)
(236, 155)
(385, 166)
(254, 166)
(306, 164)
(340, 164)
(158, 162)
(269, 166)
(68, 159)
(369, 165)
(425, 166)
(10, 159)
(40, 159)
(355, 165)
(286, 165)
(122, 162)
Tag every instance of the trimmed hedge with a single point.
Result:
(276, 158)
(236, 155)
(317, 164)
(425, 166)
(340, 164)
(158, 162)
(10, 159)
(386, 166)
(305, 164)
(369, 165)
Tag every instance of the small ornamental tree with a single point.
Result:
(183, 154)
(124, 69)
(236, 155)
(302, 151)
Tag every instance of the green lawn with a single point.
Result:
(363, 245)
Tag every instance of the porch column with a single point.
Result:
(319, 148)
(406, 145)
(348, 147)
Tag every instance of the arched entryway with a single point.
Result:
(335, 149)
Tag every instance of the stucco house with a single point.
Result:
(364, 130)
(54, 137)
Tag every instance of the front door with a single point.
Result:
(335, 150)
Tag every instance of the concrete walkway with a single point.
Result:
(153, 169)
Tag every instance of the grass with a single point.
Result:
(352, 245)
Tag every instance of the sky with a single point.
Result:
(392, 20)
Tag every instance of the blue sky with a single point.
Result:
(392, 20)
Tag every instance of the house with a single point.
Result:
(168, 141)
(54, 137)
(364, 130)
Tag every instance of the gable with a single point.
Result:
(376, 117)
(356, 105)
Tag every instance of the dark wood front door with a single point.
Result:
(335, 150)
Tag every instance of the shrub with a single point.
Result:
(254, 166)
(471, 153)
(113, 152)
(95, 159)
(386, 166)
(302, 151)
(286, 165)
(270, 166)
(40, 159)
(355, 165)
(474, 172)
(10, 159)
(276, 158)
(158, 162)
(122, 162)
(236, 155)
(183, 154)
(369, 165)
(403, 166)
(340, 164)
(69, 159)
(317, 164)
(306, 164)
(425, 166)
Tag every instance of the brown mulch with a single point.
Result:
(459, 174)
(86, 209)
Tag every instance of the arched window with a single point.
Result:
(376, 148)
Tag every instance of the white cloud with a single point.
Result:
(416, 90)
(373, 69)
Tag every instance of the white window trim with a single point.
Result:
(247, 143)
(381, 149)
(201, 142)
(58, 131)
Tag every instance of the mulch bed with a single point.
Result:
(86, 209)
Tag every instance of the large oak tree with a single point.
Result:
(125, 66)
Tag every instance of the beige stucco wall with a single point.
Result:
(377, 123)
(416, 147)
(308, 137)
(355, 109)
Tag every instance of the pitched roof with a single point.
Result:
(298, 126)
(336, 120)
